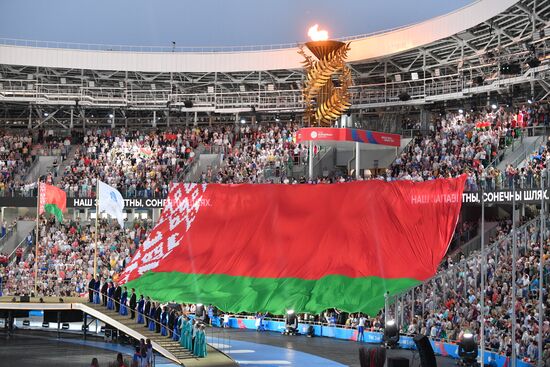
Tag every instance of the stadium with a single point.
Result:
(353, 201)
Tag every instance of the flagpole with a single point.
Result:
(96, 221)
(541, 267)
(483, 274)
(36, 236)
(514, 251)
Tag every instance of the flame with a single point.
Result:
(316, 35)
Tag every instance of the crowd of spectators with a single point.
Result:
(66, 257)
(263, 153)
(142, 164)
(138, 164)
(16, 156)
(451, 302)
(467, 142)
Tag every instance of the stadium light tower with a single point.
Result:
(325, 100)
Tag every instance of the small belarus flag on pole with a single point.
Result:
(52, 200)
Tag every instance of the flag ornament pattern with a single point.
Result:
(52, 200)
(110, 201)
(303, 247)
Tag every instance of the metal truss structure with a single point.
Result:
(455, 68)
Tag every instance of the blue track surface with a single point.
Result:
(249, 354)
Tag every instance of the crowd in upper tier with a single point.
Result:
(143, 163)
(17, 152)
(467, 143)
(136, 163)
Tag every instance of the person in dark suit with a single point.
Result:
(91, 287)
(140, 305)
(104, 292)
(116, 297)
(171, 320)
(96, 291)
(133, 303)
(158, 312)
(147, 311)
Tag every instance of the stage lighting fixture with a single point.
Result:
(391, 334)
(199, 310)
(243, 121)
(461, 111)
(277, 117)
(510, 69)
(291, 323)
(529, 101)
(111, 115)
(188, 104)
(46, 114)
(494, 106)
(467, 350)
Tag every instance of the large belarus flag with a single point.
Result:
(52, 200)
(301, 247)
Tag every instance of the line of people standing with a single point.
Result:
(165, 319)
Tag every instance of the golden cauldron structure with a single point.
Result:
(326, 89)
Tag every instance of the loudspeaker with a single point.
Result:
(188, 104)
(425, 350)
(24, 299)
(398, 362)
(404, 96)
(372, 357)
(533, 62)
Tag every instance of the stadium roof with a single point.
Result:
(450, 56)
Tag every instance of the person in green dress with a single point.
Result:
(185, 328)
(199, 348)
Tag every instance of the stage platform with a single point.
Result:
(272, 349)
(249, 348)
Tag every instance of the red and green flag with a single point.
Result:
(52, 200)
(302, 247)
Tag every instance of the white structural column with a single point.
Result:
(357, 159)
(310, 160)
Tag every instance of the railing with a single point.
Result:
(527, 151)
(174, 48)
(413, 303)
(10, 230)
(218, 334)
(420, 91)
(15, 249)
